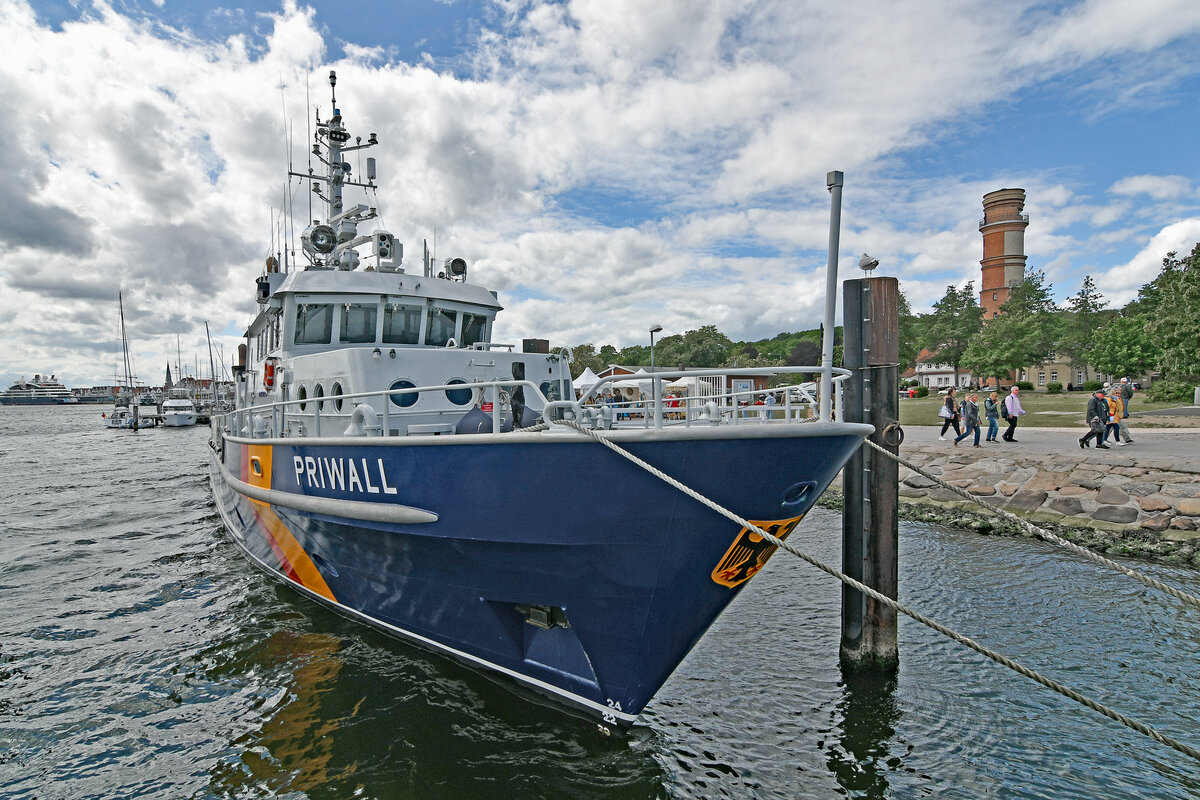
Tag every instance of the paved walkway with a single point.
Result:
(1179, 445)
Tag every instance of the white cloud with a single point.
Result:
(1159, 187)
(1097, 28)
(151, 159)
(1121, 283)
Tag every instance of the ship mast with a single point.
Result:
(332, 244)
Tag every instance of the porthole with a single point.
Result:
(460, 397)
(335, 393)
(399, 396)
(302, 396)
(319, 397)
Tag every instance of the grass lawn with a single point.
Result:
(1042, 410)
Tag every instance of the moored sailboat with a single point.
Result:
(125, 410)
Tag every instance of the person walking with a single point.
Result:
(1106, 387)
(949, 414)
(1115, 407)
(1012, 404)
(991, 407)
(970, 417)
(1097, 413)
(1126, 397)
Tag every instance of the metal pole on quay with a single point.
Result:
(833, 182)
(871, 481)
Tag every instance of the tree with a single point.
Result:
(993, 352)
(948, 329)
(607, 355)
(1172, 321)
(705, 347)
(805, 354)
(1122, 346)
(910, 334)
(582, 357)
(1023, 334)
(634, 354)
(1083, 318)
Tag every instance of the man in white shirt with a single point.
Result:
(1013, 404)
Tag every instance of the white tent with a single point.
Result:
(639, 380)
(585, 381)
(689, 382)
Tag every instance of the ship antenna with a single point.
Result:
(308, 136)
(285, 214)
(333, 89)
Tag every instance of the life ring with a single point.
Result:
(269, 374)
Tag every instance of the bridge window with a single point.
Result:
(401, 324)
(473, 328)
(358, 323)
(440, 329)
(314, 323)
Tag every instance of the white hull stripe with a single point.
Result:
(347, 509)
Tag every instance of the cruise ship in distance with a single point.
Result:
(41, 391)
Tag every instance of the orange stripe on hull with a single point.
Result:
(295, 562)
(256, 470)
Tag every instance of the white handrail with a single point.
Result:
(270, 419)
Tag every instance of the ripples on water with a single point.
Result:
(141, 655)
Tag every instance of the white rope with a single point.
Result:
(867, 590)
(1029, 527)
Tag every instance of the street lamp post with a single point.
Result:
(653, 330)
(653, 380)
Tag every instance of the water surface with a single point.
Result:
(142, 655)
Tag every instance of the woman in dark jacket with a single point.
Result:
(951, 418)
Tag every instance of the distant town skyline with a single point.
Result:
(603, 166)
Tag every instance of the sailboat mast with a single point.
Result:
(212, 371)
(125, 345)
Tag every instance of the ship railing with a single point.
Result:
(703, 396)
(711, 399)
(269, 420)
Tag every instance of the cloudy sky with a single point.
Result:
(603, 165)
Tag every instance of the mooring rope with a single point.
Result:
(1034, 530)
(1053, 685)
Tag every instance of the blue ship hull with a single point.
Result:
(549, 559)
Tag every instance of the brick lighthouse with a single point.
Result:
(1003, 228)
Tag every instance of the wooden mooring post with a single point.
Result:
(870, 481)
